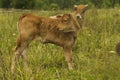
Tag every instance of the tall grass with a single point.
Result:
(94, 55)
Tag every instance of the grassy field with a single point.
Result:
(94, 54)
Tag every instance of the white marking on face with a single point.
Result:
(78, 15)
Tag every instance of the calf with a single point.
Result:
(60, 31)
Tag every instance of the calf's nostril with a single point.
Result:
(78, 16)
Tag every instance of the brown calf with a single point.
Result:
(60, 31)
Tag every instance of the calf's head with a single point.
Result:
(66, 24)
(80, 10)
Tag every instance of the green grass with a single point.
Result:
(94, 55)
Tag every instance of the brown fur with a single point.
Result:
(61, 31)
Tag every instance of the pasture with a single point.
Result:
(94, 54)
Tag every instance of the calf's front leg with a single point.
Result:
(68, 57)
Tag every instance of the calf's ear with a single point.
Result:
(66, 17)
(85, 8)
(75, 7)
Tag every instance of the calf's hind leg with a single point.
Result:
(20, 50)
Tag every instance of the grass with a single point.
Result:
(93, 54)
